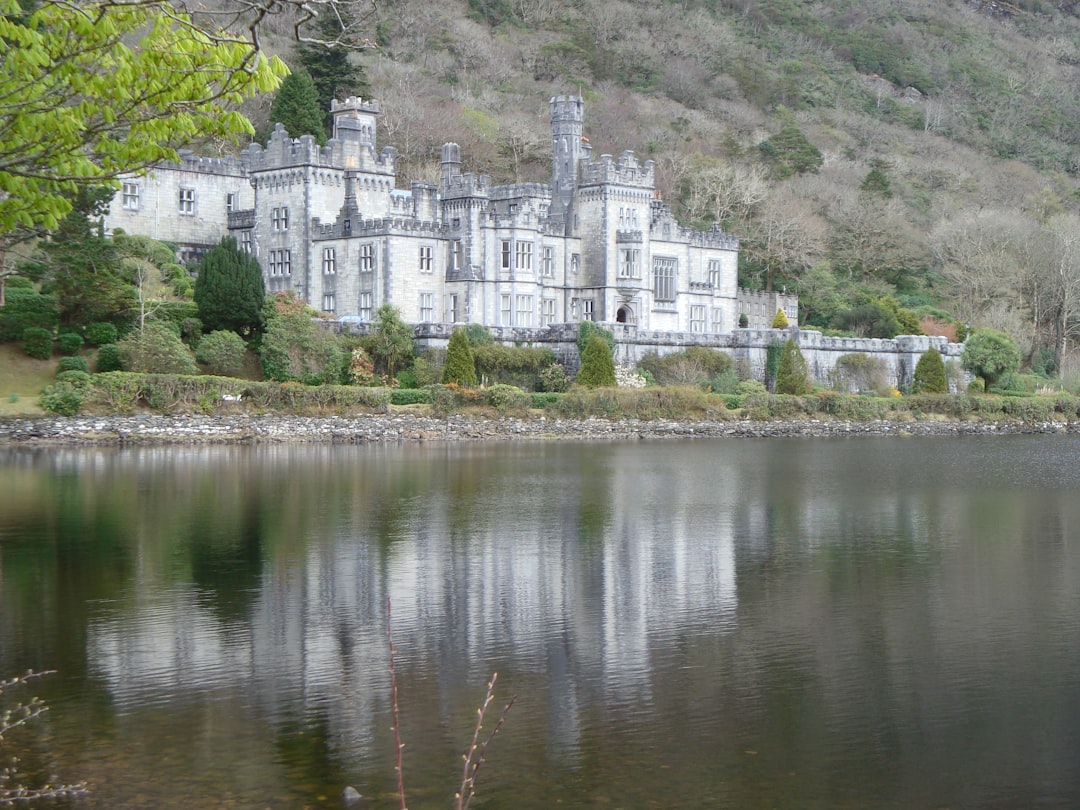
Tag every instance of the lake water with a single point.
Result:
(860, 623)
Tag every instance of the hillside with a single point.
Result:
(940, 166)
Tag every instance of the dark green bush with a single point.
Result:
(98, 334)
(792, 375)
(72, 364)
(80, 379)
(37, 342)
(26, 308)
(222, 353)
(554, 379)
(109, 358)
(62, 398)
(930, 374)
(512, 365)
(460, 367)
(597, 366)
(69, 343)
(156, 349)
(410, 396)
(541, 399)
(586, 329)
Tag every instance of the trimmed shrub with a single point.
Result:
(792, 376)
(100, 333)
(744, 321)
(37, 342)
(72, 364)
(780, 320)
(990, 354)
(586, 329)
(69, 343)
(930, 374)
(109, 358)
(26, 308)
(410, 396)
(460, 367)
(222, 352)
(597, 366)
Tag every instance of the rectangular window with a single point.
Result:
(427, 262)
(231, 201)
(367, 257)
(506, 314)
(630, 263)
(131, 196)
(664, 279)
(505, 254)
(328, 302)
(717, 319)
(586, 309)
(286, 262)
(455, 313)
(365, 306)
(427, 307)
(524, 256)
(187, 201)
(712, 273)
(279, 219)
(547, 262)
(457, 255)
(697, 318)
(547, 311)
(280, 262)
(329, 261)
(575, 308)
(245, 241)
(575, 262)
(524, 310)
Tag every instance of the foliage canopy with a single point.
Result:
(229, 290)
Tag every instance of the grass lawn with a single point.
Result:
(21, 380)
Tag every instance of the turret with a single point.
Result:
(354, 120)
(567, 148)
(451, 163)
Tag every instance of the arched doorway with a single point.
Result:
(624, 315)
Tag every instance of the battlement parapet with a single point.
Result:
(239, 220)
(516, 191)
(190, 162)
(465, 185)
(624, 171)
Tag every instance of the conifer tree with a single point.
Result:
(229, 291)
(460, 366)
(597, 365)
(790, 152)
(930, 374)
(792, 377)
(780, 320)
(332, 72)
(296, 107)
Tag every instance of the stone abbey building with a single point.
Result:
(330, 224)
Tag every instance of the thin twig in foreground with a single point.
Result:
(477, 750)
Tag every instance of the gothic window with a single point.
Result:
(575, 262)
(697, 318)
(717, 319)
(427, 307)
(524, 256)
(131, 196)
(328, 302)
(586, 309)
(329, 261)
(664, 279)
(505, 254)
(713, 273)
(367, 257)
(630, 263)
(547, 262)
(279, 219)
(187, 201)
(547, 311)
(524, 310)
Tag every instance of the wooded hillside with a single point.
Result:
(896, 162)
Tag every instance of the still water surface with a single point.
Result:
(863, 623)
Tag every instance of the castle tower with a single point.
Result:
(354, 121)
(450, 164)
(567, 120)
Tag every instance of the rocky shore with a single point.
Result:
(410, 427)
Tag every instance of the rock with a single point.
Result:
(350, 796)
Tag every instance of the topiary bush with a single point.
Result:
(72, 364)
(597, 365)
(98, 334)
(69, 343)
(930, 374)
(460, 366)
(222, 353)
(37, 342)
(109, 359)
(780, 320)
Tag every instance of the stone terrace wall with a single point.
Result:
(747, 347)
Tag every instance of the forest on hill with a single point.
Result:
(899, 163)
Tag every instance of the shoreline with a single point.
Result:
(187, 429)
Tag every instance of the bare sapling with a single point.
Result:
(473, 757)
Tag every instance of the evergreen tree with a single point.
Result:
(296, 107)
(790, 152)
(391, 342)
(792, 377)
(460, 366)
(780, 320)
(597, 365)
(229, 291)
(930, 374)
(332, 72)
(990, 354)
